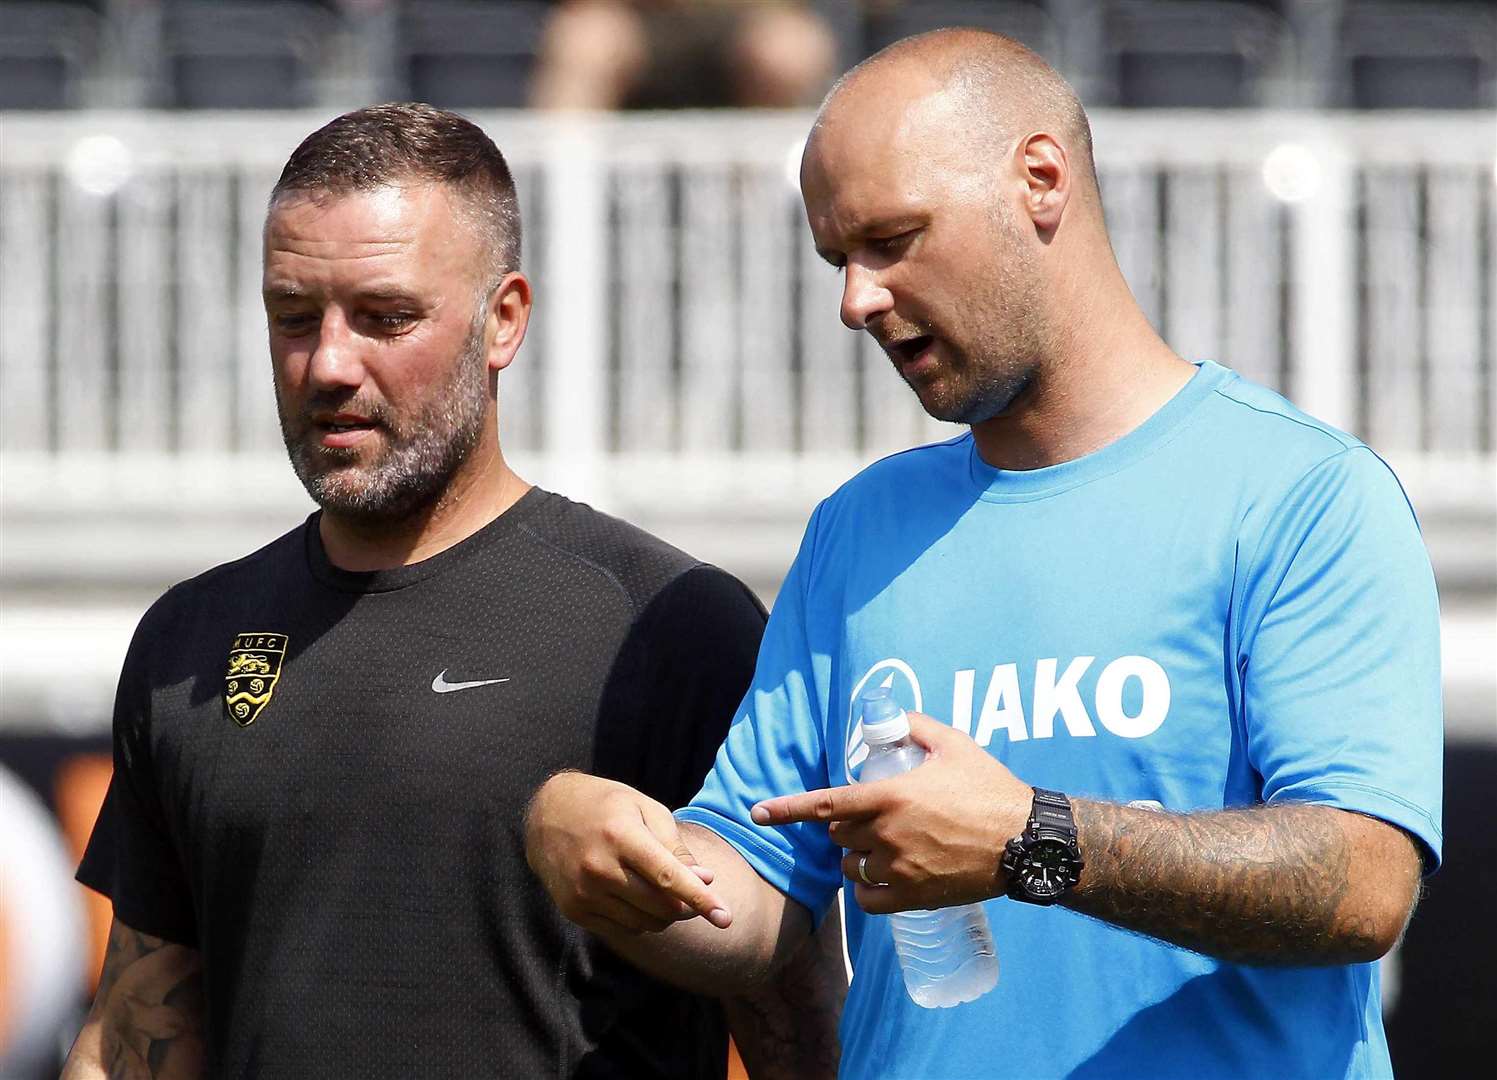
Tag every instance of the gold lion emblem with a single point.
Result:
(253, 671)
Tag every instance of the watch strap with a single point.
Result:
(1051, 810)
(1050, 819)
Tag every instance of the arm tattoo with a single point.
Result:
(787, 1029)
(150, 1008)
(1267, 885)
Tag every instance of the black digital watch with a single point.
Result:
(1043, 862)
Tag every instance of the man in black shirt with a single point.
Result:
(313, 838)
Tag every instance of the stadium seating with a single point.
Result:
(1419, 56)
(244, 55)
(272, 54)
(1177, 53)
(466, 54)
(1028, 22)
(48, 51)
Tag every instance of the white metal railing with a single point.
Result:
(686, 341)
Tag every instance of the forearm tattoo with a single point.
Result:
(150, 1008)
(787, 1029)
(1261, 886)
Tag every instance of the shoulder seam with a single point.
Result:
(737, 582)
(613, 578)
(1342, 439)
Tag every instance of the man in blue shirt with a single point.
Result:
(1146, 604)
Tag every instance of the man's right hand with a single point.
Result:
(618, 864)
(613, 860)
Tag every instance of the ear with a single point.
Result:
(1046, 172)
(506, 321)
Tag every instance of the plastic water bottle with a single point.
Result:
(947, 955)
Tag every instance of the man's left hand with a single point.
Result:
(932, 837)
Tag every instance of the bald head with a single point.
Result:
(950, 179)
(995, 90)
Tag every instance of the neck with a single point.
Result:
(1105, 373)
(483, 488)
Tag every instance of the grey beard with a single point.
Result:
(422, 456)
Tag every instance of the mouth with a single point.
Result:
(912, 354)
(343, 429)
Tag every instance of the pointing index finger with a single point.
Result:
(848, 803)
(655, 862)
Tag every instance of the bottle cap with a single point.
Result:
(883, 720)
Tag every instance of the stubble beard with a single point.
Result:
(982, 380)
(1000, 373)
(985, 378)
(421, 455)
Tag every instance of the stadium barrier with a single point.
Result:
(686, 346)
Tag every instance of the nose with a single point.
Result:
(336, 362)
(863, 297)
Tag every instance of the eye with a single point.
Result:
(294, 324)
(892, 245)
(393, 322)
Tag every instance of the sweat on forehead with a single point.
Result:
(996, 86)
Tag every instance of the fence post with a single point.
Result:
(1323, 286)
(574, 305)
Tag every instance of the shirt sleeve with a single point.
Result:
(1340, 657)
(695, 642)
(777, 746)
(130, 856)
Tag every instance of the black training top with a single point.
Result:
(320, 777)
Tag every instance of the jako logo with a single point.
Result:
(1131, 699)
(1057, 693)
(899, 677)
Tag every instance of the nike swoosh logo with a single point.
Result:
(442, 686)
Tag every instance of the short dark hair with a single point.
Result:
(408, 141)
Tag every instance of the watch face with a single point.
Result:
(1049, 868)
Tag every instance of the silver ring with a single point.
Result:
(863, 870)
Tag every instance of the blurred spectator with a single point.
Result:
(42, 938)
(673, 54)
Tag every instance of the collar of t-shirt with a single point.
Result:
(506, 524)
(1027, 485)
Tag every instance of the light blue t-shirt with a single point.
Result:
(1231, 605)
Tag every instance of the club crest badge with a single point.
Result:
(254, 669)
